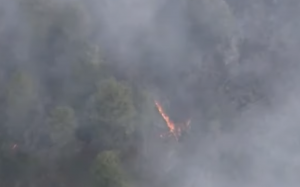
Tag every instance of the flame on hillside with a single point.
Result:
(174, 130)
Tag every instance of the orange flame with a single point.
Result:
(170, 124)
(174, 130)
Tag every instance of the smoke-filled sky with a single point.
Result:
(177, 47)
(262, 149)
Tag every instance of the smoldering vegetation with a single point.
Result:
(78, 81)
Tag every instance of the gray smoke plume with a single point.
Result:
(261, 150)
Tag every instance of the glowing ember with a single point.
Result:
(174, 130)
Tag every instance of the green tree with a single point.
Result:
(21, 93)
(22, 102)
(112, 103)
(69, 19)
(110, 112)
(107, 170)
(62, 124)
(16, 168)
(59, 31)
(83, 77)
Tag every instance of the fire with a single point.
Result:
(174, 130)
(170, 124)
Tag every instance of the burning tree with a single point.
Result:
(175, 130)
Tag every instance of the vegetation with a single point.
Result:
(72, 115)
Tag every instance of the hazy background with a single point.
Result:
(78, 82)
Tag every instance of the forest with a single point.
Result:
(139, 93)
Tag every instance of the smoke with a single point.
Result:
(188, 50)
(262, 148)
(262, 151)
